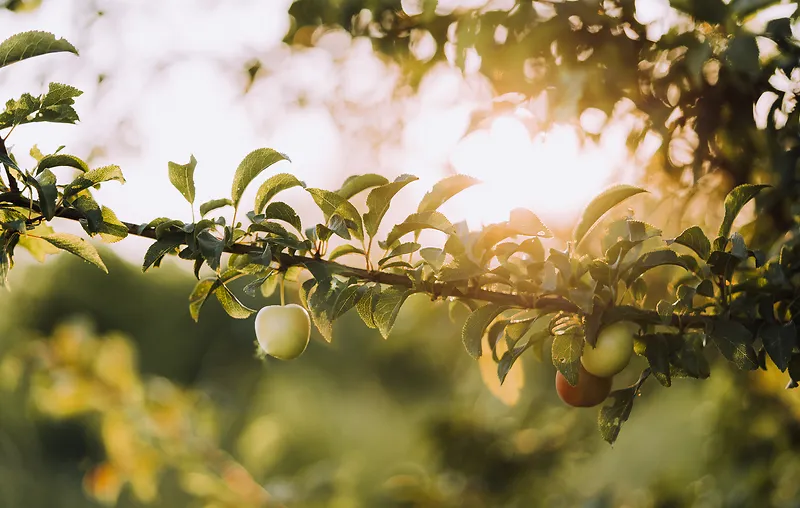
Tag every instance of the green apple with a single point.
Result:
(283, 331)
(612, 351)
(590, 390)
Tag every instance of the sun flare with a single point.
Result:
(553, 173)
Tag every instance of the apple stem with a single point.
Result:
(283, 293)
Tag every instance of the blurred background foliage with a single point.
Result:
(109, 393)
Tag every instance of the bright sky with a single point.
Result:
(175, 85)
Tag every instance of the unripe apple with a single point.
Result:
(283, 331)
(612, 351)
(590, 390)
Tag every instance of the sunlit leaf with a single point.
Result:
(379, 199)
(735, 342)
(695, 239)
(94, 177)
(160, 248)
(734, 202)
(566, 353)
(611, 417)
(475, 326)
(272, 186)
(420, 221)
(444, 190)
(30, 44)
(387, 308)
(214, 204)
(358, 183)
(600, 205)
(251, 166)
(182, 177)
(77, 246)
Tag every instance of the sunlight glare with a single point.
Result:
(553, 173)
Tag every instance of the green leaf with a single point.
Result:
(45, 185)
(400, 250)
(182, 177)
(86, 204)
(434, 257)
(665, 311)
(331, 203)
(387, 308)
(525, 222)
(611, 417)
(358, 183)
(111, 229)
(30, 44)
(251, 166)
(566, 352)
(653, 259)
(231, 304)
(344, 250)
(77, 246)
(779, 341)
(92, 178)
(735, 342)
(600, 205)
(460, 269)
(214, 204)
(734, 202)
(475, 326)
(199, 296)
(59, 94)
(320, 303)
(420, 221)
(657, 352)
(347, 299)
(695, 239)
(281, 211)
(366, 305)
(61, 160)
(211, 248)
(444, 190)
(274, 185)
(379, 199)
(160, 248)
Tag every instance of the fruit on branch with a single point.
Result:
(612, 351)
(283, 331)
(590, 391)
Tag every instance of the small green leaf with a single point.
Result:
(270, 188)
(735, 342)
(653, 259)
(344, 250)
(420, 221)
(600, 205)
(665, 310)
(734, 202)
(161, 248)
(199, 296)
(45, 185)
(779, 341)
(60, 160)
(387, 308)
(695, 239)
(182, 178)
(30, 44)
(611, 417)
(566, 352)
(444, 190)
(320, 303)
(475, 326)
(281, 211)
(251, 166)
(347, 299)
(400, 250)
(366, 305)
(434, 257)
(525, 222)
(379, 199)
(92, 178)
(358, 183)
(214, 204)
(331, 203)
(231, 304)
(77, 246)
(657, 352)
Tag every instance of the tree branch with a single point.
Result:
(547, 302)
